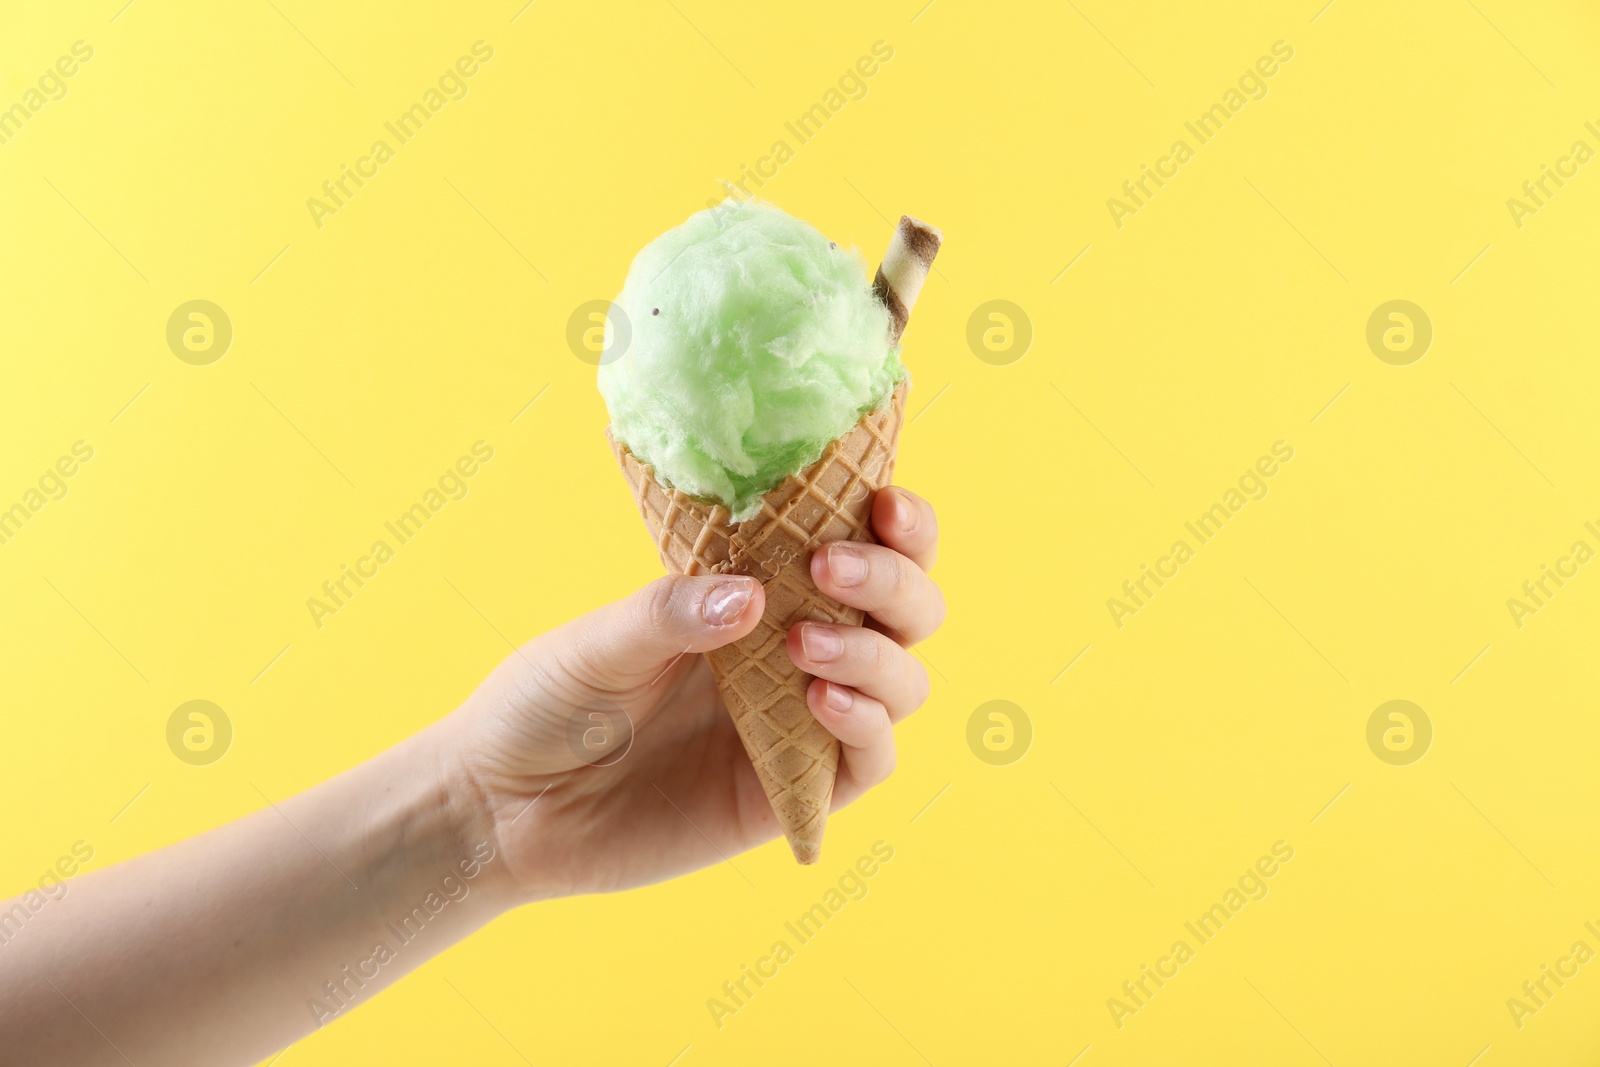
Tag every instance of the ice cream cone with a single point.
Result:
(796, 759)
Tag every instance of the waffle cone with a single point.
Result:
(765, 693)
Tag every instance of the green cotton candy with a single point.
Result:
(744, 342)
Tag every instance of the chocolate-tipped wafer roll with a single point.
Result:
(905, 267)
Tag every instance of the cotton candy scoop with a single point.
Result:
(742, 343)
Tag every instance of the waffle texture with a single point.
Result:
(765, 693)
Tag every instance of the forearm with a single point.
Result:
(286, 919)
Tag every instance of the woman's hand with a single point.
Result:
(600, 755)
(315, 902)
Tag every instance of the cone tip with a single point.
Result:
(806, 853)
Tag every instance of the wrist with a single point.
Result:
(472, 847)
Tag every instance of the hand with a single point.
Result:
(684, 794)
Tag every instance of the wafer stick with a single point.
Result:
(905, 267)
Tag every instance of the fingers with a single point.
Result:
(866, 736)
(906, 523)
(639, 636)
(864, 681)
(865, 660)
(883, 582)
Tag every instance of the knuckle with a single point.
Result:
(921, 687)
(879, 652)
(898, 579)
(887, 764)
(658, 606)
(929, 532)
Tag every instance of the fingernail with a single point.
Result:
(905, 516)
(820, 644)
(726, 603)
(838, 697)
(846, 565)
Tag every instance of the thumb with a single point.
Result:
(641, 635)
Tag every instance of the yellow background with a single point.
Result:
(1224, 316)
